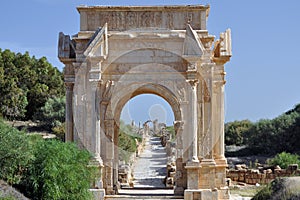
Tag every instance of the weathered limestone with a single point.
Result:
(121, 52)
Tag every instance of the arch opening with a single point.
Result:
(146, 125)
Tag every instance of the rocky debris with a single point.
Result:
(125, 174)
(165, 138)
(281, 188)
(171, 172)
(241, 167)
(261, 175)
(8, 191)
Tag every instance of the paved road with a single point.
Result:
(149, 172)
(150, 168)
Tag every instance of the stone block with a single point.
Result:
(98, 194)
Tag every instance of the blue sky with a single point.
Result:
(262, 77)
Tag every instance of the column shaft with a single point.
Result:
(194, 122)
(69, 135)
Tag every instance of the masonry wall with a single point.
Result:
(254, 176)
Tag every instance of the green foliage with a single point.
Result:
(171, 130)
(15, 154)
(284, 160)
(127, 141)
(235, 132)
(59, 171)
(268, 136)
(52, 114)
(263, 194)
(7, 198)
(26, 83)
(43, 169)
(60, 131)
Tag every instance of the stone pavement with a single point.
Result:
(150, 169)
(237, 197)
(149, 172)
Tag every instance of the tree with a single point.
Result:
(52, 114)
(13, 99)
(49, 84)
(235, 132)
(26, 83)
(272, 136)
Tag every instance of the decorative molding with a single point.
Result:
(135, 17)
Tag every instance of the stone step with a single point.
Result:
(142, 197)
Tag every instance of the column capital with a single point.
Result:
(192, 67)
(219, 84)
(193, 83)
(69, 86)
(178, 124)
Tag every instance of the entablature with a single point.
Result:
(121, 18)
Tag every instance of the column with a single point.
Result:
(207, 170)
(221, 163)
(194, 121)
(95, 121)
(219, 117)
(69, 136)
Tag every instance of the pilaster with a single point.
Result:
(69, 135)
(69, 79)
(194, 118)
(94, 79)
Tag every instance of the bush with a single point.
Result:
(284, 160)
(43, 169)
(15, 154)
(53, 113)
(59, 171)
(60, 131)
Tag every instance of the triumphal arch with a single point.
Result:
(123, 51)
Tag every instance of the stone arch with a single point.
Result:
(178, 60)
(149, 88)
(112, 116)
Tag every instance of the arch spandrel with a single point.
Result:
(130, 61)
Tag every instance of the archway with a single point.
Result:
(124, 95)
(121, 52)
(149, 119)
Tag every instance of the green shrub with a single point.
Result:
(7, 198)
(43, 169)
(59, 171)
(15, 154)
(284, 160)
(53, 113)
(263, 194)
(60, 131)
